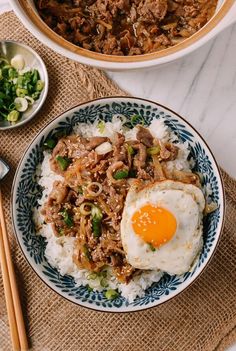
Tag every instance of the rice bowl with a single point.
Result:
(58, 251)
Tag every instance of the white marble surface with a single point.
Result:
(200, 87)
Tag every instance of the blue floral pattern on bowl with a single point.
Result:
(26, 193)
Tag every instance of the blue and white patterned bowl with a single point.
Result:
(26, 192)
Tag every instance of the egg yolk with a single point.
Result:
(155, 225)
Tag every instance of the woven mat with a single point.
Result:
(201, 318)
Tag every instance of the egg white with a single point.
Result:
(186, 202)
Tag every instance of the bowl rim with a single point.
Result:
(130, 309)
(45, 89)
(39, 28)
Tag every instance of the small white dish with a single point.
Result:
(8, 50)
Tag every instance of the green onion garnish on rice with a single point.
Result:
(111, 294)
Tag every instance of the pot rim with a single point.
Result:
(28, 15)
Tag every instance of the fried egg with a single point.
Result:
(161, 226)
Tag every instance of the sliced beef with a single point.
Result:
(144, 136)
(92, 143)
(59, 192)
(141, 156)
(152, 10)
(168, 151)
(158, 170)
(119, 149)
(126, 27)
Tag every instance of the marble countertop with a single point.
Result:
(201, 87)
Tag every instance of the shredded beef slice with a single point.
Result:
(126, 27)
(152, 10)
(144, 136)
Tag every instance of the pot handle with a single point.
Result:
(230, 18)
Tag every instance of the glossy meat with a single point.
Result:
(126, 27)
(71, 202)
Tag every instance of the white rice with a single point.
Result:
(59, 250)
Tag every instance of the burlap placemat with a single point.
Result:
(201, 318)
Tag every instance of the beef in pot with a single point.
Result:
(126, 27)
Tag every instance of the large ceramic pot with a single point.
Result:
(26, 11)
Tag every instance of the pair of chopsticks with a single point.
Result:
(15, 317)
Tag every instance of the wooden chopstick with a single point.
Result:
(11, 291)
(8, 297)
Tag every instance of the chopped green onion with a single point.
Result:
(96, 221)
(30, 99)
(61, 231)
(36, 95)
(151, 247)
(31, 88)
(130, 149)
(86, 252)
(39, 85)
(21, 104)
(5, 70)
(12, 73)
(103, 274)
(18, 62)
(121, 174)
(96, 212)
(63, 162)
(35, 77)
(104, 283)
(3, 60)
(20, 92)
(13, 116)
(67, 218)
(50, 143)
(101, 126)
(86, 208)
(3, 115)
(96, 226)
(20, 81)
(155, 150)
(12, 106)
(111, 294)
(92, 276)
